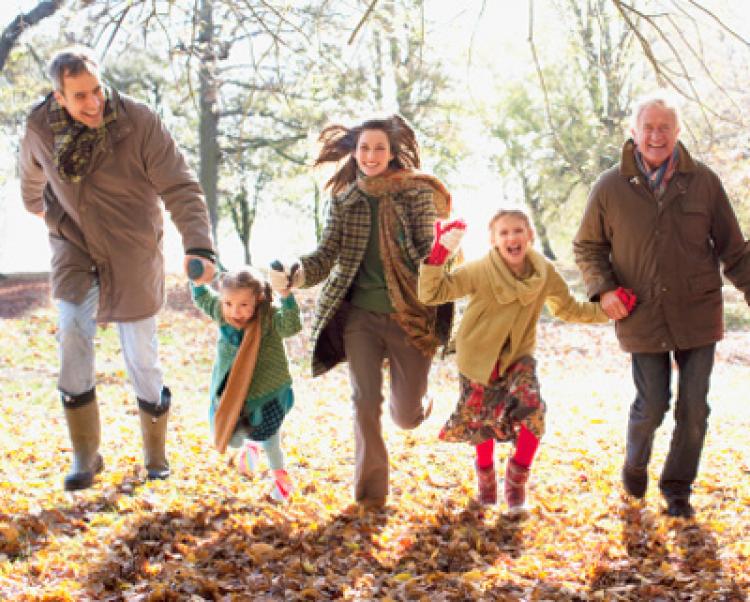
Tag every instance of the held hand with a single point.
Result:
(278, 279)
(199, 269)
(296, 275)
(284, 279)
(613, 306)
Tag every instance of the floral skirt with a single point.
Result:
(498, 410)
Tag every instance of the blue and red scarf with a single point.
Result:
(658, 177)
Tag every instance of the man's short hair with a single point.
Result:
(73, 60)
(660, 98)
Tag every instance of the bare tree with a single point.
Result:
(22, 22)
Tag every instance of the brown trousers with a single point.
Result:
(369, 338)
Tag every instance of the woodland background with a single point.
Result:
(514, 103)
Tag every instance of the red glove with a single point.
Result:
(627, 296)
(439, 253)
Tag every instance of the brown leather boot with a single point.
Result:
(486, 485)
(516, 477)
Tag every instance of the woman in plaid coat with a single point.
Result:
(379, 228)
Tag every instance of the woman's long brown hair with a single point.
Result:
(338, 141)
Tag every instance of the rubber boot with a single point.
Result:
(82, 416)
(154, 431)
(516, 477)
(486, 485)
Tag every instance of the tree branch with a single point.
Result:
(22, 22)
(362, 21)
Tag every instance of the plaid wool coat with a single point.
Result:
(340, 253)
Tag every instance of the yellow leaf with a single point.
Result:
(474, 575)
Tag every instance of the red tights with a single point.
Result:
(526, 446)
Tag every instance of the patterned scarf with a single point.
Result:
(658, 177)
(75, 142)
(417, 320)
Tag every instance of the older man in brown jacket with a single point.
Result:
(660, 224)
(95, 164)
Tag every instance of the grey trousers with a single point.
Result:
(75, 336)
(369, 338)
(652, 374)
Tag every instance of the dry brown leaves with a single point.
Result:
(209, 534)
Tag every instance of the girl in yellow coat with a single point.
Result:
(499, 391)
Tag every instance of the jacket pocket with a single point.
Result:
(704, 283)
(694, 220)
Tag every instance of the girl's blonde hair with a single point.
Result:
(517, 213)
(338, 141)
(249, 278)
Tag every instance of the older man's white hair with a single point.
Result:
(658, 98)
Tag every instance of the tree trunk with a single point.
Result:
(209, 118)
(317, 212)
(532, 201)
(22, 22)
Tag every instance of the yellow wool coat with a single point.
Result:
(501, 308)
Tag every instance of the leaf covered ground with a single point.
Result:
(209, 534)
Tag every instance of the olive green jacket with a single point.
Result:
(669, 251)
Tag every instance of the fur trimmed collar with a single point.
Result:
(406, 179)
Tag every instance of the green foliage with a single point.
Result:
(556, 140)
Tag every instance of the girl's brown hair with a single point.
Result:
(517, 213)
(338, 141)
(247, 277)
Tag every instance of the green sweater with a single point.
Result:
(271, 376)
(369, 290)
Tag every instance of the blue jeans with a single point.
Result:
(75, 336)
(652, 374)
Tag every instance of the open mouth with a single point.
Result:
(514, 250)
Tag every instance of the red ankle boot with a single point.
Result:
(515, 488)
(486, 485)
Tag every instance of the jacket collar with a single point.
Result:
(629, 168)
(124, 123)
(507, 288)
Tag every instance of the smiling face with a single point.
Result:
(511, 236)
(373, 152)
(238, 306)
(82, 95)
(656, 134)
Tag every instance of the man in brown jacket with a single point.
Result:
(94, 165)
(660, 224)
